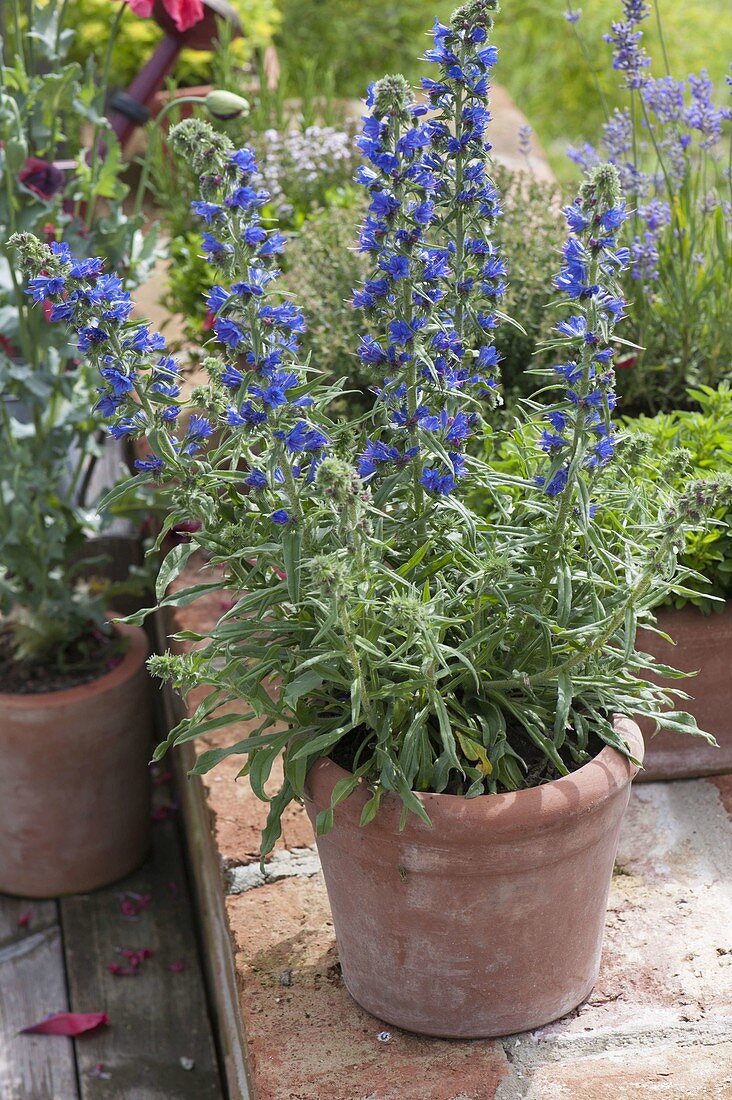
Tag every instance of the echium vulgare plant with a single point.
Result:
(373, 615)
(673, 155)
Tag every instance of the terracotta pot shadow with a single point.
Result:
(489, 922)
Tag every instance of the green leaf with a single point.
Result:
(303, 685)
(291, 547)
(565, 695)
(172, 566)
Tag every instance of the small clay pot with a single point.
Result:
(703, 645)
(487, 923)
(74, 781)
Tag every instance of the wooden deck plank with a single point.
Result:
(32, 986)
(17, 912)
(157, 1018)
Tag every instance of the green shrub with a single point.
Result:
(323, 268)
(529, 237)
(705, 436)
(656, 454)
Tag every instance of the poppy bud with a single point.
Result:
(226, 105)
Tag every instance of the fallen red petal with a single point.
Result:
(68, 1023)
(25, 918)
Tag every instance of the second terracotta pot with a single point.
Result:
(74, 781)
(703, 645)
(487, 923)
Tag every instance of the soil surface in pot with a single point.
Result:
(538, 769)
(89, 658)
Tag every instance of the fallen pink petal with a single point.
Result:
(164, 811)
(68, 1023)
(99, 1072)
(132, 904)
(177, 966)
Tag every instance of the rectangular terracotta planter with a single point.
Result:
(703, 645)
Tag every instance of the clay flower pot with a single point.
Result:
(74, 781)
(703, 645)
(491, 921)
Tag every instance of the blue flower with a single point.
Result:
(128, 426)
(90, 336)
(280, 517)
(215, 249)
(108, 404)
(255, 479)
(376, 453)
(228, 333)
(143, 341)
(247, 198)
(209, 211)
(305, 437)
(217, 297)
(231, 377)
(245, 160)
(85, 269)
(120, 382)
(556, 484)
(396, 266)
(247, 415)
(151, 464)
(253, 235)
(45, 286)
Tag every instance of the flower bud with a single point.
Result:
(392, 95)
(226, 105)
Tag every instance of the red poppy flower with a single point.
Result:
(41, 177)
(184, 13)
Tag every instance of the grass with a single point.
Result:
(542, 63)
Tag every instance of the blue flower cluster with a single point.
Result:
(436, 276)
(96, 307)
(261, 388)
(580, 429)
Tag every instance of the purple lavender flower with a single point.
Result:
(629, 57)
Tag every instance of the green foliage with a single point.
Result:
(49, 435)
(139, 37)
(705, 436)
(357, 40)
(554, 78)
(529, 237)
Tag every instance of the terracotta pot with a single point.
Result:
(74, 781)
(487, 923)
(703, 645)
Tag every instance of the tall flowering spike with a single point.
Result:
(579, 432)
(629, 56)
(436, 276)
(258, 391)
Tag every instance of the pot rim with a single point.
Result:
(134, 657)
(594, 783)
